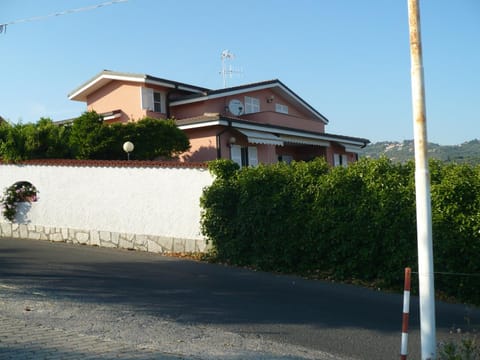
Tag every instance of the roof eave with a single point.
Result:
(104, 77)
(100, 80)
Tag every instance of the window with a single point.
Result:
(280, 108)
(340, 160)
(286, 158)
(153, 100)
(244, 156)
(252, 105)
(157, 102)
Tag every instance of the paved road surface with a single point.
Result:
(130, 304)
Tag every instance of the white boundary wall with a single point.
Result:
(145, 208)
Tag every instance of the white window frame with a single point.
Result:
(236, 154)
(244, 156)
(280, 108)
(252, 156)
(252, 105)
(148, 100)
(340, 160)
(158, 104)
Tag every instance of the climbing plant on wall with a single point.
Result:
(19, 192)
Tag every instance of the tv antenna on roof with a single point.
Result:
(227, 69)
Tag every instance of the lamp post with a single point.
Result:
(422, 189)
(128, 148)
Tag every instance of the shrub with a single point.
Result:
(346, 223)
(468, 349)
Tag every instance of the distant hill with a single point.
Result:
(468, 152)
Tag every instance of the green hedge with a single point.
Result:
(344, 223)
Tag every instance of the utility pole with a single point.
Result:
(422, 189)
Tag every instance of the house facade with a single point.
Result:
(263, 122)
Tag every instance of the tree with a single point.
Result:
(153, 139)
(159, 138)
(44, 140)
(12, 142)
(90, 138)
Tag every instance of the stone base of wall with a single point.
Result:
(150, 243)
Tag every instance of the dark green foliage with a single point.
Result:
(32, 141)
(345, 223)
(12, 142)
(89, 138)
(468, 349)
(158, 138)
(52, 140)
(223, 168)
(456, 224)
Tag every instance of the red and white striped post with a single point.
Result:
(406, 311)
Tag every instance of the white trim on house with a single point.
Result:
(350, 148)
(111, 117)
(203, 124)
(100, 81)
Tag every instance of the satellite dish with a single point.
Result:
(235, 107)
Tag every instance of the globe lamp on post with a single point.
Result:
(128, 148)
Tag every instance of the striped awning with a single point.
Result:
(302, 140)
(260, 137)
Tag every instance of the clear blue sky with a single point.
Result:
(349, 59)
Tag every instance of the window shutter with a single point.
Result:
(252, 156)
(336, 159)
(236, 154)
(147, 98)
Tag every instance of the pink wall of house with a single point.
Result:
(196, 109)
(117, 94)
(278, 119)
(127, 97)
(203, 144)
(121, 95)
(204, 141)
(267, 154)
(338, 149)
(267, 115)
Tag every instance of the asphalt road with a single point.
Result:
(346, 320)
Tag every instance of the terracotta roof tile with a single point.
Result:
(109, 163)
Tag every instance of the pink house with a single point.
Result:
(263, 122)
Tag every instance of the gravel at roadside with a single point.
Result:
(37, 325)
